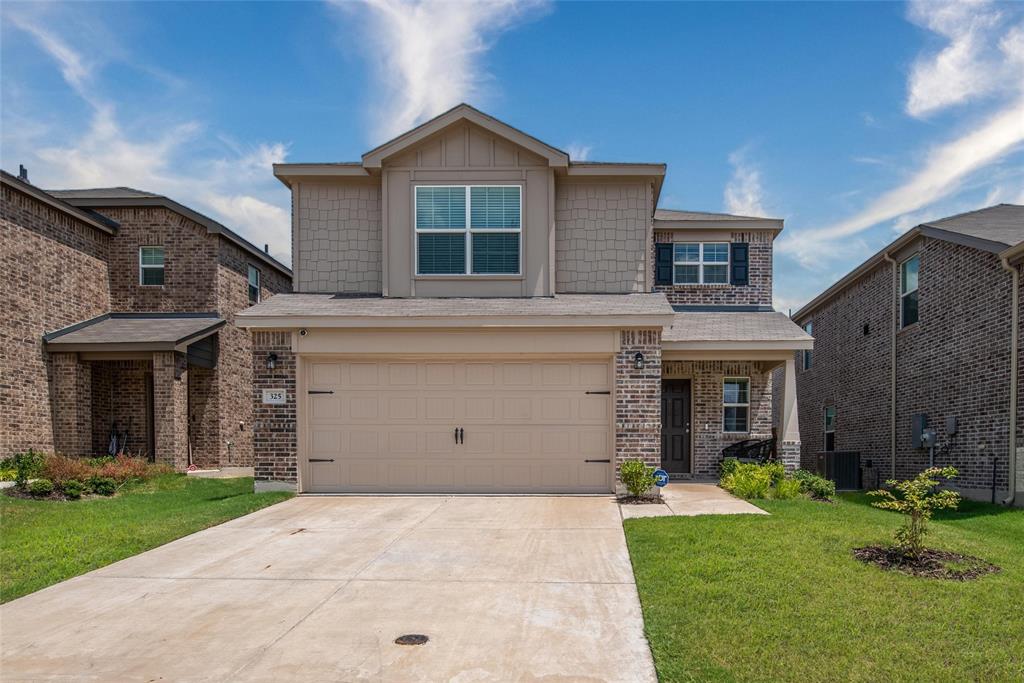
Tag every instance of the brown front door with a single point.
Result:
(675, 426)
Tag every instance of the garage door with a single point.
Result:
(456, 426)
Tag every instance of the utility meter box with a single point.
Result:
(918, 422)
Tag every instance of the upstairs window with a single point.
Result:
(736, 404)
(151, 265)
(700, 263)
(468, 229)
(254, 285)
(808, 355)
(830, 428)
(908, 290)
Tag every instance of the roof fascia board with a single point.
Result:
(287, 173)
(962, 239)
(627, 169)
(765, 345)
(281, 322)
(771, 224)
(1013, 253)
(55, 203)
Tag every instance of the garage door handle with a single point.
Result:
(320, 391)
(605, 460)
(321, 459)
(604, 393)
(462, 435)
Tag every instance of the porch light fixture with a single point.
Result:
(638, 361)
(271, 361)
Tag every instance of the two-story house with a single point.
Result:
(118, 323)
(474, 311)
(924, 336)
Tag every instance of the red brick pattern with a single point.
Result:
(274, 443)
(638, 398)
(757, 293)
(120, 395)
(72, 404)
(170, 408)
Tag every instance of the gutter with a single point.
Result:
(1004, 260)
(894, 328)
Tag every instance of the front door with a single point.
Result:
(675, 426)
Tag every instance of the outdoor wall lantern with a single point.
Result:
(638, 361)
(271, 361)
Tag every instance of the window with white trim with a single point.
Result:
(908, 290)
(736, 404)
(151, 265)
(254, 284)
(468, 229)
(808, 355)
(830, 428)
(700, 263)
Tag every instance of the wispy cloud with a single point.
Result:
(744, 195)
(428, 54)
(577, 151)
(232, 183)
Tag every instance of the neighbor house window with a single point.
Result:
(151, 265)
(700, 263)
(908, 290)
(808, 355)
(736, 404)
(254, 285)
(468, 229)
(830, 428)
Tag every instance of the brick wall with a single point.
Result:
(638, 398)
(170, 408)
(601, 235)
(757, 293)
(120, 394)
(72, 404)
(274, 441)
(54, 275)
(706, 387)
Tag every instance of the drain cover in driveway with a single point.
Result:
(411, 639)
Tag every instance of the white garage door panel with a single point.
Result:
(390, 426)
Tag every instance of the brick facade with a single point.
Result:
(638, 398)
(758, 291)
(953, 363)
(275, 445)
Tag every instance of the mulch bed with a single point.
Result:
(932, 564)
(640, 500)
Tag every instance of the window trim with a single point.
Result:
(806, 356)
(249, 284)
(162, 267)
(701, 263)
(826, 431)
(905, 294)
(736, 405)
(468, 232)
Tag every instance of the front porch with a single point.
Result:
(728, 377)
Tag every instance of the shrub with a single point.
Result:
(124, 469)
(785, 489)
(729, 466)
(27, 465)
(749, 480)
(815, 486)
(61, 468)
(104, 486)
(73, 489)
(40, 488)
(637, 477)
(918, 499)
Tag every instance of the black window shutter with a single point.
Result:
(740, 263)
(663, 264)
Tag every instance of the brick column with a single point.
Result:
(638, 398)
(170, 408)
(275, 446)
(789, 445)
(72, 404)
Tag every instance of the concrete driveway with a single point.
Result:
(318, 588)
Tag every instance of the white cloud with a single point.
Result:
(428, 53)
(578, 151)
(744, 195)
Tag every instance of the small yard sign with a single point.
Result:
(275, 397)
(660, 477)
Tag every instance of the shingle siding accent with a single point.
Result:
(757, 291)
(601, 237)
(339, 238)
(638, 398)
(275, 442)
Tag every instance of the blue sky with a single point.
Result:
(852, 121)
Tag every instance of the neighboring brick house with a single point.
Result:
(474, 311)
(119, 317)
(924, 335)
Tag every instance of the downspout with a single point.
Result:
(1014, 359)
(892, 362)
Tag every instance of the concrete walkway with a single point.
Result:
(685, 499)
(318, 588)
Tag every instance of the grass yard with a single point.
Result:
(43, 542)
(780, 598)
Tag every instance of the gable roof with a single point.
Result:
(100, 197)
(91, 218)
(464, 112)
(996, 229)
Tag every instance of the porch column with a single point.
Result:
(170, 409)
(789, 448)
(72, 404)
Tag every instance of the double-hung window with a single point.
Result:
(151, 265)
(254, 284)
(468, 229)
(736, 404)
(908, 290)
(700, 263)
(808, 355)
(830, 428)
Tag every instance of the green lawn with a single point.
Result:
(43, 542)
(780, 598)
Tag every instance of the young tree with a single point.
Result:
(917, 498)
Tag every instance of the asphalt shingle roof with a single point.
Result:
(1002, 223)
(701, 326)
(144, 328)
(677, 215)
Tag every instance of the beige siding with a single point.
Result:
(602, 231)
